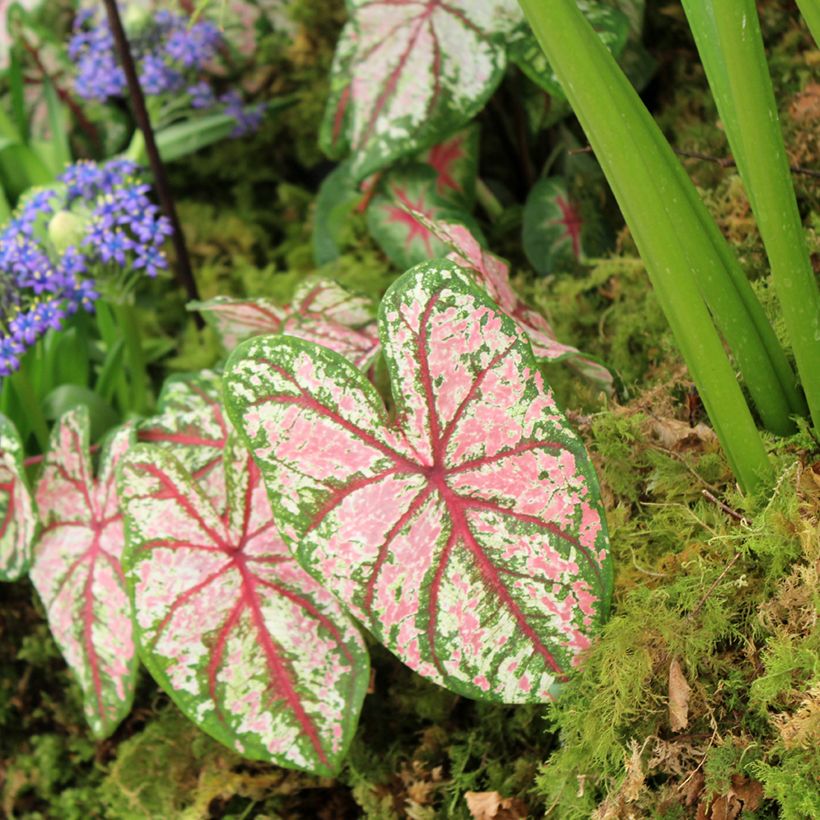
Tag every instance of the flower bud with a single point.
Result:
(65, 229)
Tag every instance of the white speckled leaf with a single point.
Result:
(18, 517)
(245, 642)
(77, 573)
(408, 73)
(468, 536)
(190, 424)
(611, 25)
(493, 274)
(405, 239)
(322, 311)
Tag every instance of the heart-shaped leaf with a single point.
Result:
(189, 423)
(322, 311)
(407, 74)
(468, 536)
(405, 239)
(455, 162)
(493, 274)
(18, 517)
(77, 573)
(245, 642)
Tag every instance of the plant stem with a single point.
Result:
(731, 46)
(488, 200)
(183, 261)
(30, 405)
(810, 9)
(669, 233)
(127, 323)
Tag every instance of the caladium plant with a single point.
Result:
(18, 516)
(493, 274)
(245, 642)
(77, 573)
(407, 189)
(455, 161)
(558, 231)
(322, 311)
(407, 74)
(468, 535)
(190, 423)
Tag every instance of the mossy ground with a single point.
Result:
(702, 697)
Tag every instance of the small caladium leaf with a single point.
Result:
(455, 162)
(190, 423)
(559, 232)
(336, 202)
(468, 536)
(407, 74)
(76, 569)
(322, 311)
(493, 274)
(245, 642)
(611, 25)
(18, 516)
(390, 217)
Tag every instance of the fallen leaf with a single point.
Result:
(492, 806)
(678, 435)
(678, 697)
(633, 783)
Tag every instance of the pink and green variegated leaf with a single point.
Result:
(322, 312)
(493, 274)
(245, 642)
(77, 571)
(18, 516)
(235, 320)
(405, 239)
(408, 73)
(455, 161)
(559, 232)
(468, 536)
(189, 422)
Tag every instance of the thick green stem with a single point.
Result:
(731, 47)
(127, 324)
(30, 406)
(810, 9)
(669, 234)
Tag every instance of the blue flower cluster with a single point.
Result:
(62, 242)
(170, 53)
(165, 48)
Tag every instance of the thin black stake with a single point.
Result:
(183, 267)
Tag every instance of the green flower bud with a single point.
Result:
(65, 229)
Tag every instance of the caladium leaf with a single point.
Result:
(559, 233)
(408, 73)
(18, 517)
(245, 642)
(493, 274)
(468, 536)
(322, 311)
(189, 422)
(611, 25)
(77, 573)
(455, 161)
(335, 204)
(405, 239)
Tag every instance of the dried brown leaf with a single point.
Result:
(679, 691)
(492, 806)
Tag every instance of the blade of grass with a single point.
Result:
(57, 126)
(810, 9)
(731, 46)
(667, 230)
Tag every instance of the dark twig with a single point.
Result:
(711, 589)
(725, 507)
(723, 162)
(185, 276)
